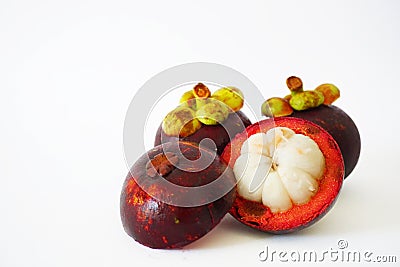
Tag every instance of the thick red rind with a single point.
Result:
(257, 215)
(156, 224)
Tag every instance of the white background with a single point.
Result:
(69, 69)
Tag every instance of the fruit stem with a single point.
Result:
(201, 92)
(294, 84)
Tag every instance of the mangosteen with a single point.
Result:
(201, 116)
(176, 193)
(316, 106)
(289, 173)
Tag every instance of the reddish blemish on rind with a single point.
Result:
(257, 215)
(156, 224)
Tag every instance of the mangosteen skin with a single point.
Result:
(234, 124)
(342, 128)
(156, 224)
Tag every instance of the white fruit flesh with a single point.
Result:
(279, 168)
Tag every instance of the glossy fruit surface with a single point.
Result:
(299, 213)
(342, 128)
(175, 194)
(220, 134)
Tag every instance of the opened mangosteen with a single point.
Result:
(213, 119)
(289, 173)
(316, 106)
(176, 193)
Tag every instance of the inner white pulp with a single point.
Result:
(279, 168)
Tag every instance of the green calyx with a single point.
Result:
(212, 113)
(231, 96)
(330, 92)
(181, 122)
(306, 100)
(299, 99)
(198, 107)
(186, 96)
(276, 107)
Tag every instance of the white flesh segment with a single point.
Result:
(298, 183)
(250, 168)
(256, 143)
(301, 152)
(275, 136)
(274, 194)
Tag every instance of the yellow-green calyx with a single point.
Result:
(198, 107)
(276, 107)
(186, 96)
(299, 99)
(231, 96)
(330, 92)
(188, 99)
(287, 97)
(306, 100)
(212, 113)
(181, 122)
